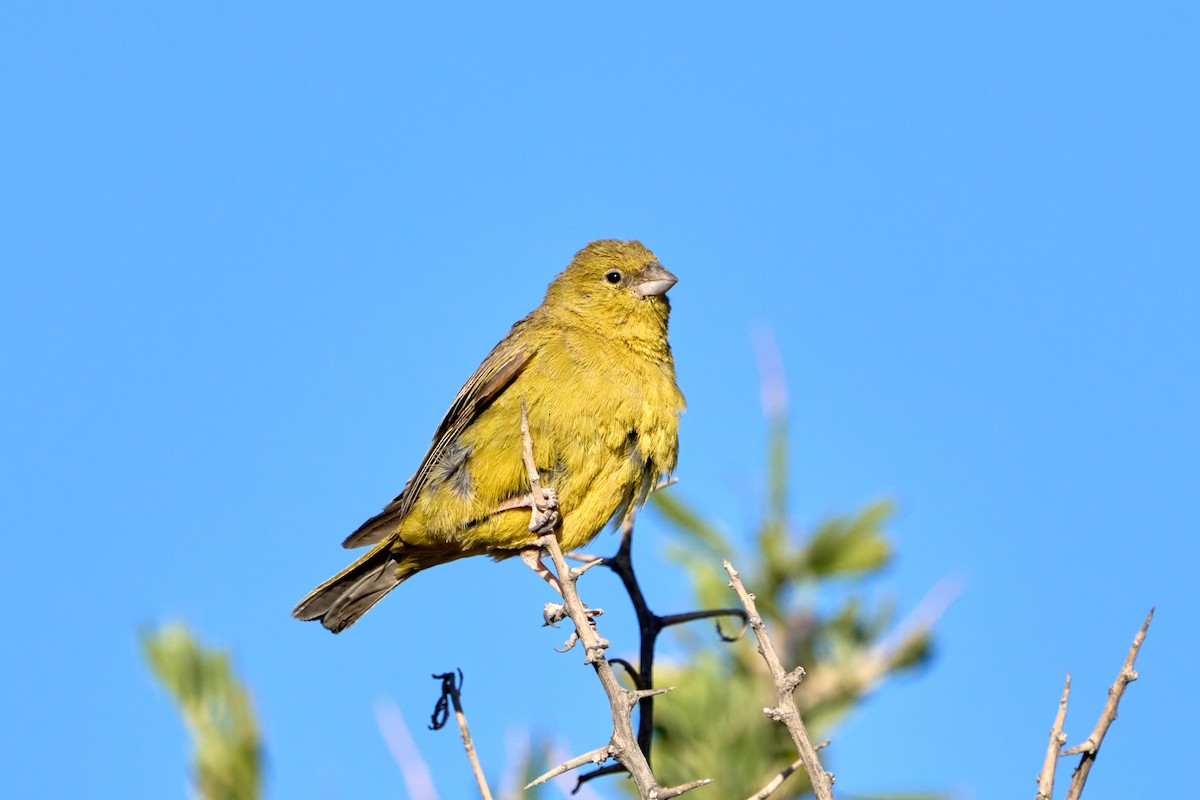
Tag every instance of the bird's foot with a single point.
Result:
(543, 516)
(554, 613)
(532, 558)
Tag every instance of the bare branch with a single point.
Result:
(1091, 746)
(777, 781)
(716, 613)
(675, 791)
(623, 746)
(785, 710)
(597, 756)
(1045, 778)
(650, 625)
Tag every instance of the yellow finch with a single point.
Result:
(594, 369)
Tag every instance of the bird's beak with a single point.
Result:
(655, 280)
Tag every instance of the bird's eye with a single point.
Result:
(613, 277)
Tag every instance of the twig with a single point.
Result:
(675, 791)
(597, 756)
(650, 625)
(623, 745)
(777, 781)
(1045, 778)
(1090, 746)
(785, 710)
(451, 691)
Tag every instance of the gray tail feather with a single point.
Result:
(345, 597)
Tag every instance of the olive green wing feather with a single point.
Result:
(498, 370)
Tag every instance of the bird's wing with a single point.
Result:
(496, 372)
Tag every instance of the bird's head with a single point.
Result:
(617, 284)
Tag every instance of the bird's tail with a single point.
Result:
(345, 597)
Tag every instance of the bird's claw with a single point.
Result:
(600, 645)
(554, 613)
(544, 517)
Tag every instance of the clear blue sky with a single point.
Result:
(251, 250)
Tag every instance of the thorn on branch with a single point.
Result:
(644, 693)
(792, 679)
(1086, 746)
(578, 571)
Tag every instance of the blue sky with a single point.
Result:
(251, 250)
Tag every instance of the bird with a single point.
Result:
(593, 369)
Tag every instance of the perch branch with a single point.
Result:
(650, 625)
(1045, 778)
(623, 745)
(785, 710)
(1090, 746)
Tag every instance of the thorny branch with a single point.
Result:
(650, 625)
(623, 745)
(784, 710)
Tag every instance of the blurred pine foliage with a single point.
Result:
(712, 725)
(216, 709)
